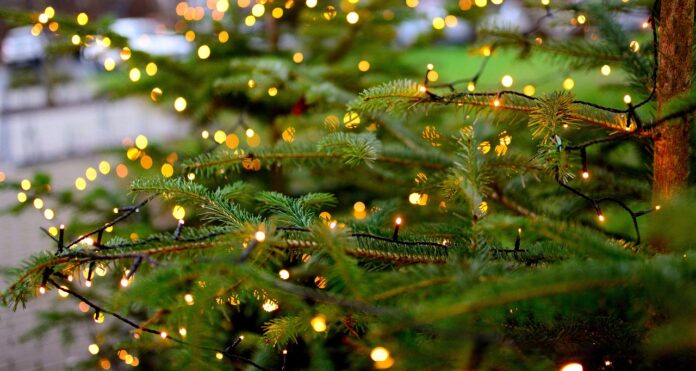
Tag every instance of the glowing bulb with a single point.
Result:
(605, 70)
(268, 306)
(657, 207)
(204, 51)
(572, 367)
(88, 283)
(62, 293)
(98, 317)
(332, 225)
(249, 133)
(398, 221)
(318, 323)
(379, 354)
(188, 298)
(568, 83)
(218, 355)
(93, 349)
(260, 236)
(82, 19)
(352, 17)
(284, 274)
(430, 66)
(627, 99)
(42, 290)
(182, 331)
(163, 334)
(506, 81)
(151, 69)
(180, 104)
(124, 282)
(496, 102)
(134, 74)
(471, 86)
(601, 217)
(585, 175)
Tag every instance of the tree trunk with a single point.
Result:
(671, 142)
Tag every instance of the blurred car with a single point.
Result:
(20, 47)
(143, 34)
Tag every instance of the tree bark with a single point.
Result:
(671, 142)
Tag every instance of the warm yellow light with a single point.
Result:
(50, 12)
(627, 99)
(585, 175)
(398, 221)
(529, 90)
(311, 3)
(82, 19)
(80, 183)
(163, 335)
(269, 305)
(38, 203)
(363, 66)
(250, 20)
(223, 36)
(93, 349)
(167, 170)
(125, 53)
(379, 354)
(471, 86)
(109, 64)
(188, 298)
(481, 3)
(180, 104)
(605, 70)
(658, 207)
(205, 134)
(496, 102)
(141, 141)
(218, 355)
(190, 36)
(438, 23)
(352, 17)
(251, 83)
(258, 10)
(155, 94)
(219, 136)
(203, 51)
(572, 367)
(506, 81)
(413, 198)
(635, 46)
(545, 2)
(351, 119)
(297, 57)
(581, 19)
(22, 197)
(260, 236)
(600, 216)
(277, 13)
(49, 214)
(43, 18)
(178, 212)
(568, 83)
(151, 69)
(272, 91)
(42, 290)
(62, 293)
(75, 39)
(359, 206)
(451, 21)
(98, 317)
(412, 3)
(284, 274)
(191, 176)
(134, 74)
(318, 323)
(182, 331)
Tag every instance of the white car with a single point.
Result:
(21, 47)
(143, 34)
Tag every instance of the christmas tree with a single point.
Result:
(419, 224)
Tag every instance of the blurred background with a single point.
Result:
(81, 113)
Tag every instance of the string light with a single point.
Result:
(284, 274)
(93, 349)
(506, 81)
(318, 323)
(180, 104)
(352, 17)
(397, 225)
(627, 99)
(605, 70)
(379, 354)
(188, 298)
(182, 331)
(572, 367)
